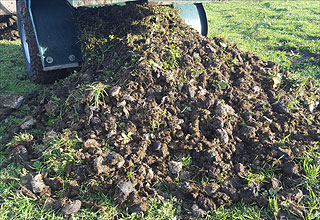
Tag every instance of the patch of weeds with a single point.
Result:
(130, 174)
(171, 58)
(186, 161)
(97, 93)
(151, 62)
(158, 116)
(126, 138)
(63, 150)
(51, 121)
(285, 139)
(274, 206)
(269, 170)
(22, 136)
(72, 103)
(311, 167)
(21, 207)
(222, 85)
(161, 209)
(254, 177)
(239, 211)
(312, 202)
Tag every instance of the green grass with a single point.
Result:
(287, 32)
(13, 72)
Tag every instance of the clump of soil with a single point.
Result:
(8, 27)
(160, 110)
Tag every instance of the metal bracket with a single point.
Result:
(54, 25)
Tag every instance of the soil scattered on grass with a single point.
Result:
(8, 27)
(160, 110)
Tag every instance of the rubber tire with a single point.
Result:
(30, 49)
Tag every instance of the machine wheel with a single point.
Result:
(30, 49)
(195, 16)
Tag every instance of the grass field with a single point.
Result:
(287, 32)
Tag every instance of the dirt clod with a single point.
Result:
(11, 101)
(39, 187)
(175, 167)
(197, 212)
(20, 153)
(27, 123)
(71, 207)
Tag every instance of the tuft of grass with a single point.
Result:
(239, 211)
(98, 93)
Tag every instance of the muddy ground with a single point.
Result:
(158, 110)
(8, 27)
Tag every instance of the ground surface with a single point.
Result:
(159, 111)
(8, 27)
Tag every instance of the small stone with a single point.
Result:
(156, 146)
(71, 207)
(114, 158)
(275, 183)
(97, 164)
(280, 108)
(126, 188)
(86, 77)
(191, 90)
(121, 104)
(224, 110)
(128, 98)
(223, 135)
(148, 136)
(196, 211)
(126, 112)
(38, 186)
(27, 123)
(175, 167)
(114, 91)
(91, 143)
(313, 105)
(150, 174)
(11, 101)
